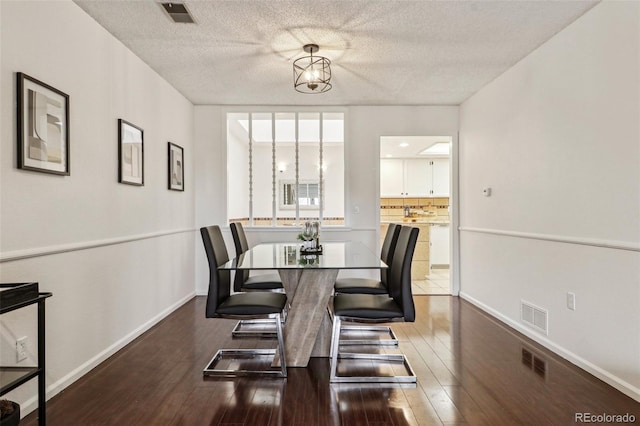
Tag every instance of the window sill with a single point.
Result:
(327, 228)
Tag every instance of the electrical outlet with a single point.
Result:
(571, 301)
(21, 349)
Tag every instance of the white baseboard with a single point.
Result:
(618, 383)
(52, 390)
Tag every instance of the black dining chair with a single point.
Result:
(254, 305)
(374, 308)
(244, 282)
(359, 285)
(372, 286)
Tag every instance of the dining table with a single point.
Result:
(308, 280)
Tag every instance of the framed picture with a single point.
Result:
(43, 127)
(176, 167)
(130, 153)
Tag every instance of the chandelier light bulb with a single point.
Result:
(308, 75)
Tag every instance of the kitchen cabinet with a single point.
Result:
(414, 177)
(417, 178)
(438, 245)
(440, 177)
(392, 178)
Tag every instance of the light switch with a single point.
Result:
(571, 301)
(486, 192)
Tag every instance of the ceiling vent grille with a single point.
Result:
(534, 316)
(178, 13)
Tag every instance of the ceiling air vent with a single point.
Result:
(178, 13)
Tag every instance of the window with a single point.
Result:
(308, 195)
(285, 168)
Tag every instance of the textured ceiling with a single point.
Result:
(384, 52)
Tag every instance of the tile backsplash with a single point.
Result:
(392, 209)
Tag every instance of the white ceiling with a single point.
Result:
(383, 52)
(409, 146)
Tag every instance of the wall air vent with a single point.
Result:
(534, 316)
(178, 13)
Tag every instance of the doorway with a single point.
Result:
(416, 190)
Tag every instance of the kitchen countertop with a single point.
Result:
(417, 220)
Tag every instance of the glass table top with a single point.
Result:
(335, 255)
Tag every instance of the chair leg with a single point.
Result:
(336, 356)
(283, 359)
(393, 341)
(335, 345)
(239, 332)
(211, 370)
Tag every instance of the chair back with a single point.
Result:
(219, 280)
(388, 248)
(241, 244)
(400, 274)
(239, 238)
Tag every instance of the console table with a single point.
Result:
(12, 377)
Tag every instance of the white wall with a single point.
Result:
(210, 176)
(557, 139)
(238, 164)
(364, 126)
(116, 257)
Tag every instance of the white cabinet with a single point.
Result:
(392, 178)
(417, 178)
(440, 177)
(438, 245)
(405, 178)
(414, 177)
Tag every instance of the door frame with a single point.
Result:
(454, 205)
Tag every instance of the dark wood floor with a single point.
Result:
(471, 370)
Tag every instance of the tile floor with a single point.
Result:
(437, 282)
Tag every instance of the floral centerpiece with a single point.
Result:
(309, 237)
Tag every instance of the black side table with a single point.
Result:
(12, 377)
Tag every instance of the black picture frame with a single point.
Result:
(175, 155)
(130, 153)
(43, 127)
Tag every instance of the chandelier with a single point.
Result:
(312, 74)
